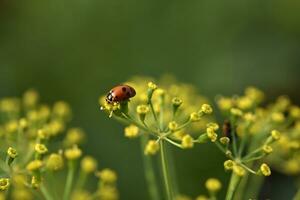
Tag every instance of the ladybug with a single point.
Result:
(120, 93)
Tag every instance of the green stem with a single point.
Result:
(149, 171)
(46, 193)
(297, 195)
(234, 181)
(70, 177)
(165, 171)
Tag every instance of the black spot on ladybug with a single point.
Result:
(124, 89)
(128, 94)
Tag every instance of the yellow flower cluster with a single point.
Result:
(169, 111)
(30, 135)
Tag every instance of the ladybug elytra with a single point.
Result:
(120, 93)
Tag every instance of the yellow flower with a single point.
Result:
(23, 123)
(55, 162)
(236, 112)
(249, 117)
(295, 112)
(4, 184)
(213, 185)
(152, 86)
(244, 103)
(62, 110)
(225, 103)
(88, 164)
(11, 152)
(195, 117)
(277, 117)
(254, 94)
(108, 192)
(40, 148)
(238, 170)
(73, 153)
(173, 125)
(275, 134)
(30, 98)
(74, 136)
(228, 164)
(224, 140)
(107, 175)
(267, 149)
(187, 142)
(212, 125)
(176, 102)
(34, 165)
(151, 148)
(265, 169)
(206, 109)
(211, 134)
(131, 131)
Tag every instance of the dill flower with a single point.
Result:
(172, 125)
(211, 134)
(88, 164)
(151, 148)
(238, 170)
(265, 169)
(225, 103)
(267, 149)
(228, 164)
(131, 131)
(4, 184)
(206, 109)
(75, 136)
(41, 148)
(55, 162)
(224, 140)
(73, 153)
(187, 142)
(108, 192)
(213, 185)
(275, 134)
(236, 112)
(277, 117)
(12, 153)
(30, 98)
(34, 165)
(195, 117)
(107, 175)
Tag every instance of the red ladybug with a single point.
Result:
(120, 93)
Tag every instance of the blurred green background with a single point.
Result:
(76, 50)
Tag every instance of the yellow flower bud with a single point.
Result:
(12, 153)
(152, 86)
(212, 125)
(206, 109)
(55, 162)
(142, 110)
(228, 164)
(295, 112)
(236, 112)
(176, 102)
(238, 170)
(74, 136)
(34, 165)
(187, 142)
(73, 153)
(131, 131)
(224, 140)
(151, 148)
(244, 103)
(62, 110)
(107, 175)
(4, 184)
(225, 103)
(23, 123)
(254, 94)
(195, 117)
(265, 169)
(40, 148)
(30, 98)
(88, 164)
(108, 192)
(211, 134)
(249, 117)
(277, 117)
(267, 149)
(213, 185)
(275, 134)
(173, 126)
